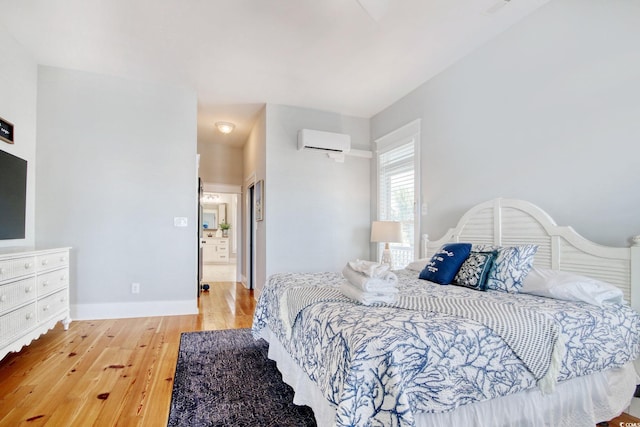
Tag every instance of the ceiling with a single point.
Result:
(237, 55)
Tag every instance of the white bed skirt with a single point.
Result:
(585, 401)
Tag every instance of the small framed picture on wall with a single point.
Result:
(259, 197)
(6, 131)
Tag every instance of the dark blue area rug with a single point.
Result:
(224, 378)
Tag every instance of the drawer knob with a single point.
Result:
(45, 283)
(28, 289)
(46, 307)
(3, 298)
(28, 316)
(63, 258)
(63, 278)
(45, 261)
(27, 266)
(3, 270)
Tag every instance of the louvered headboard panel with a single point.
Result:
(479, 228)
(613, 267)
(510, 222)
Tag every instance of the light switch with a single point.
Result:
(180, 221)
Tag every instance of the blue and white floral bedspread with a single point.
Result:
(381, 365)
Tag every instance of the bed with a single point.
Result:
(400, 365)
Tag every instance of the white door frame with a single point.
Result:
(209, 187)
(250, 227)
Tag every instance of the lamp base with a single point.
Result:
(386, 256)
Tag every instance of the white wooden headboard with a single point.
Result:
(509, 222)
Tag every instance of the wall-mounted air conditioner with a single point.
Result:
(324, 141)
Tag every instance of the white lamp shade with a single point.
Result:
(386, 231)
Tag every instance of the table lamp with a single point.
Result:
(386, 232)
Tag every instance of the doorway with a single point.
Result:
(220, 224)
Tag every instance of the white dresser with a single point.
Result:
(34, 295)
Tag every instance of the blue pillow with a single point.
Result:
(445, 263)
(474, 271)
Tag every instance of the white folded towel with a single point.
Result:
(370, 284)
(387, 296)
(369, 268)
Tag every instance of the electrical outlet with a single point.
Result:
(135, 288)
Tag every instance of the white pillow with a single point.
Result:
(571, 287)
(418, 265)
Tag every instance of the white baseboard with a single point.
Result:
(127, 310)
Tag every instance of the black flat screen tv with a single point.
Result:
(13, 196)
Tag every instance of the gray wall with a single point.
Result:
(317, 211)
(254, 170)
(18, 86)
(116, 164)
(547, 112)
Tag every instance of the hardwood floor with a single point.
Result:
(116, 372)
(110, 372)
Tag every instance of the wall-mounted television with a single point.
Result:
(13, 196)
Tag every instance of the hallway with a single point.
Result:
(220, 272)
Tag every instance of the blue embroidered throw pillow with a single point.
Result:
(510, 267)
(474, 270)
(445, 263)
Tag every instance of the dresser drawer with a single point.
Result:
(17, 293)
(17, 267)
(52, 304)
(6, 270)
(53, 280)
(15, 323)
(48, 261)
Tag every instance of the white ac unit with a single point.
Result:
(324, 141)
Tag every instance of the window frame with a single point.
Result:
(401, 136)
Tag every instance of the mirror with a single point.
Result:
(210, 219)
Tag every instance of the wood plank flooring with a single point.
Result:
(110, 372)
(115, 372)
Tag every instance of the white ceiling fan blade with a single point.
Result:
(375, 8)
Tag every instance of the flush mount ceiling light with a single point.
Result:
(225, 127)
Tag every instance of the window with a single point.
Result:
(398, 183)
